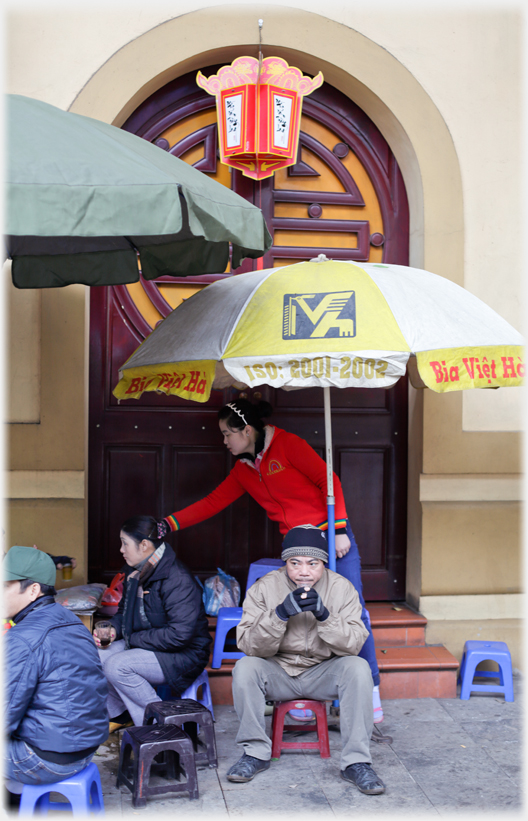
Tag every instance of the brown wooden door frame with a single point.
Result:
(132, 441)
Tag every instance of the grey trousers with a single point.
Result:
(130, 675)
(348, 678)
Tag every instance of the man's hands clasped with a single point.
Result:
(301, 600)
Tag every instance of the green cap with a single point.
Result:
(29, 563)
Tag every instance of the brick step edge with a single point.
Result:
(382, 615)
(394, 684)
(425, 657)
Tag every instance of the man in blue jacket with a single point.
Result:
(55, 712)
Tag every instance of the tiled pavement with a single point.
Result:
(447, 757)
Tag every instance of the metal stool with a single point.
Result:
(228, 617)
(78, 789)
(189, 715)
(147, 743)
(278, 727)
(260, 568)
(474, 653)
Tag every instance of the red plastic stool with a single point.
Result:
(278, 728)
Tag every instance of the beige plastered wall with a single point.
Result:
(443, 86)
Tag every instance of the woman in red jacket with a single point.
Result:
(287, 477)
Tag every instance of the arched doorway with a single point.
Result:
(344, 197)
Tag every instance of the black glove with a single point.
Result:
(163, 529)
(314, 603)
(290, 606)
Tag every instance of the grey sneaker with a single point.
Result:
(364, 777)
(246, 768)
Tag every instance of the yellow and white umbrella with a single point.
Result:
(326, 323)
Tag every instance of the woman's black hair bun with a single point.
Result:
(263, 409)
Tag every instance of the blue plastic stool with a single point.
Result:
(228, 617)
(260, 568)
(164, 691)
(474, 653)
(78, 789)
(192, 692)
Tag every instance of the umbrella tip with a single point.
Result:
(320, 258)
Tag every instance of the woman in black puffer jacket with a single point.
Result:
(160, 632)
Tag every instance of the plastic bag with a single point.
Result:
(114, 591)
(220, 591)
(82, 597)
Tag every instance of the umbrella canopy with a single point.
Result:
(324, 323)
(84, 197)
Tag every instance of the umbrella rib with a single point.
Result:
(244, 306)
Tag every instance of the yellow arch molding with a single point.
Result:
(361, 69)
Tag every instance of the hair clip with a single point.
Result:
(234, 407)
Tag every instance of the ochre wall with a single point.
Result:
(449, 449)
(472, 548)
(54, 525)
(56, 442)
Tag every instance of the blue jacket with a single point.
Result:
(55, 686)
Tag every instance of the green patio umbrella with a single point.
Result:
(84, 198)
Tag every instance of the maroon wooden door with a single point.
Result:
(344, 197)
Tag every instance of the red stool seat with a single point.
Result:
(278, 727)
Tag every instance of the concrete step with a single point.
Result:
(429, 671)
(408, 667)
(395, 624)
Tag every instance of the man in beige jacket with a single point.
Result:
(301, 630)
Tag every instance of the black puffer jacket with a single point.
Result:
(179, 635)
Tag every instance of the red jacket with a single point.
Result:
(289, 483)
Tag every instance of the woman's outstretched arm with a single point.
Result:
(222, 496)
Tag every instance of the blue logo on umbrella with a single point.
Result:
(318, 316)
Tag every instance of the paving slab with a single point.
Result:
(402, 793)
(305, 799)
(481, 707)
(502, 741)
(454, 771)
(447, 758)
(413, 710)
(289, 769)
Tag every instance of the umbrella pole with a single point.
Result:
(330, 499)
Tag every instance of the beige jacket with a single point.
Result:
(302, 641)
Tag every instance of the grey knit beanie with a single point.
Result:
(305, 540)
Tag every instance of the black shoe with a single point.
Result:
(364, 777)
(246, 768)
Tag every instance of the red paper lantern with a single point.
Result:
(259, 113)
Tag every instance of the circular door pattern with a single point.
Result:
(344, 197)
